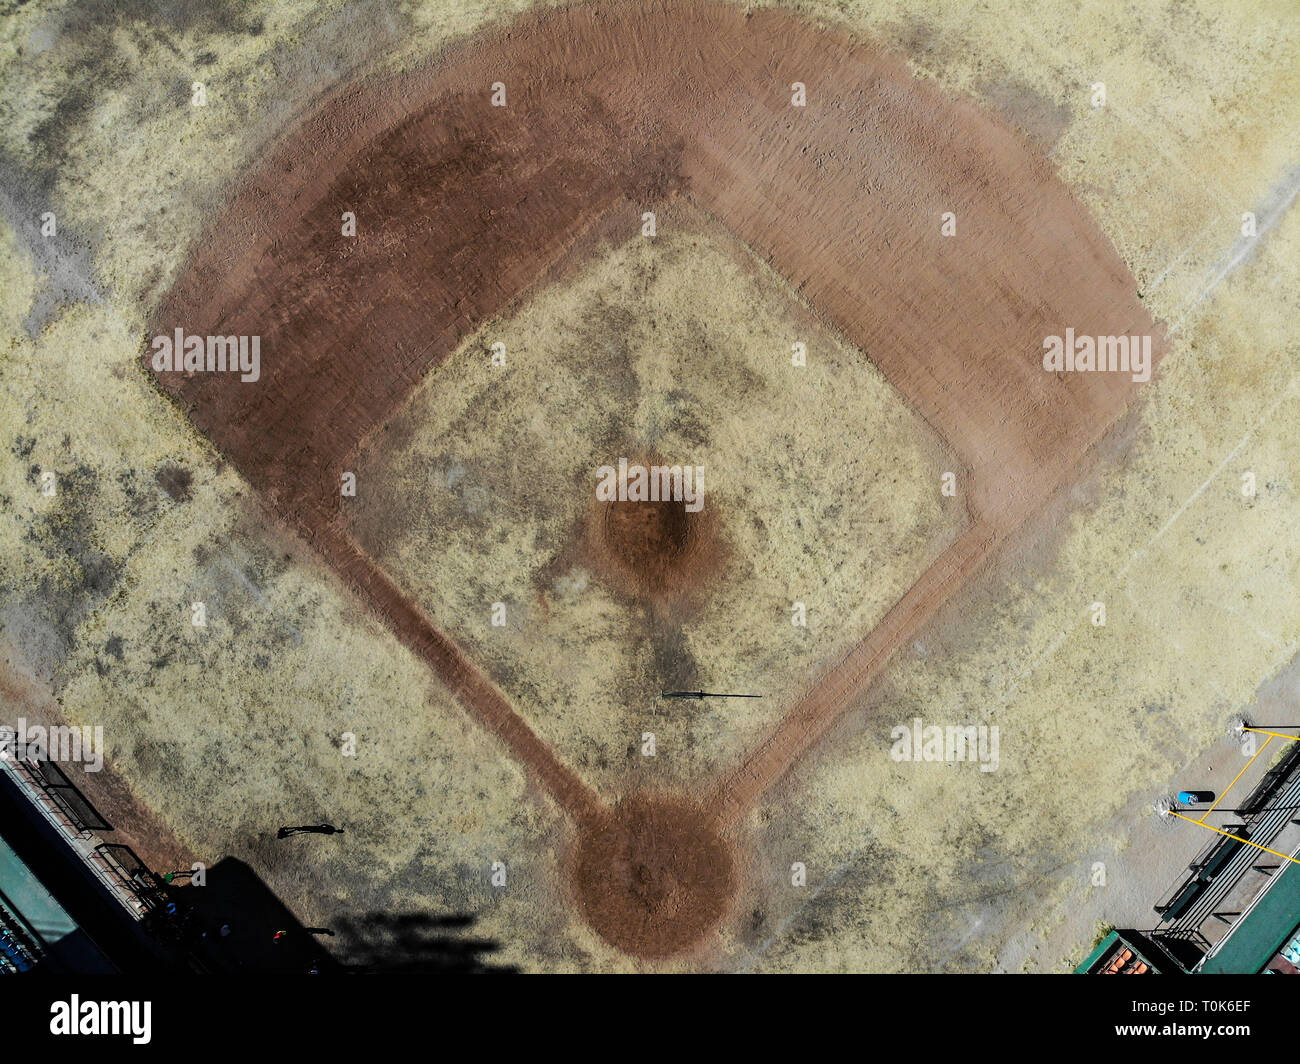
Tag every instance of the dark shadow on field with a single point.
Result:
(398, 943)
(263, 936)
(236, 898)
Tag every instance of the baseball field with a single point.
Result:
(487, 251)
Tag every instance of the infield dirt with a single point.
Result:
(462, 206)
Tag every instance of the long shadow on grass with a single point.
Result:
(396, 943)
(236, 923)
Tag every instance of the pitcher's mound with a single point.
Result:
(659, 552)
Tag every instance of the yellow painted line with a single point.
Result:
(1229, 835)
(1239, 774)
(1274, 734)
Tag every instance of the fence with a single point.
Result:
(116, 866)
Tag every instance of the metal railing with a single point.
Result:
(50, 791)
(1265, 813)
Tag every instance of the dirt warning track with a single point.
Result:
(462, 206)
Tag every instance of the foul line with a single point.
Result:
(1273, 734)
(1229, 835)
(1234, 782)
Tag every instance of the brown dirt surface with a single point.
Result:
(649, 538)
(660, 553)
(461, 207)
(654, 877)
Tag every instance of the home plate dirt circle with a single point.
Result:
(654, 876)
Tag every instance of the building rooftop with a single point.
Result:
(1262, 930)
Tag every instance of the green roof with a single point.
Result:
(1108, 947)
(1264, 929)
(27, 896)
(1103, 947)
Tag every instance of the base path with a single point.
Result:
(474, 690)
(841, 688)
